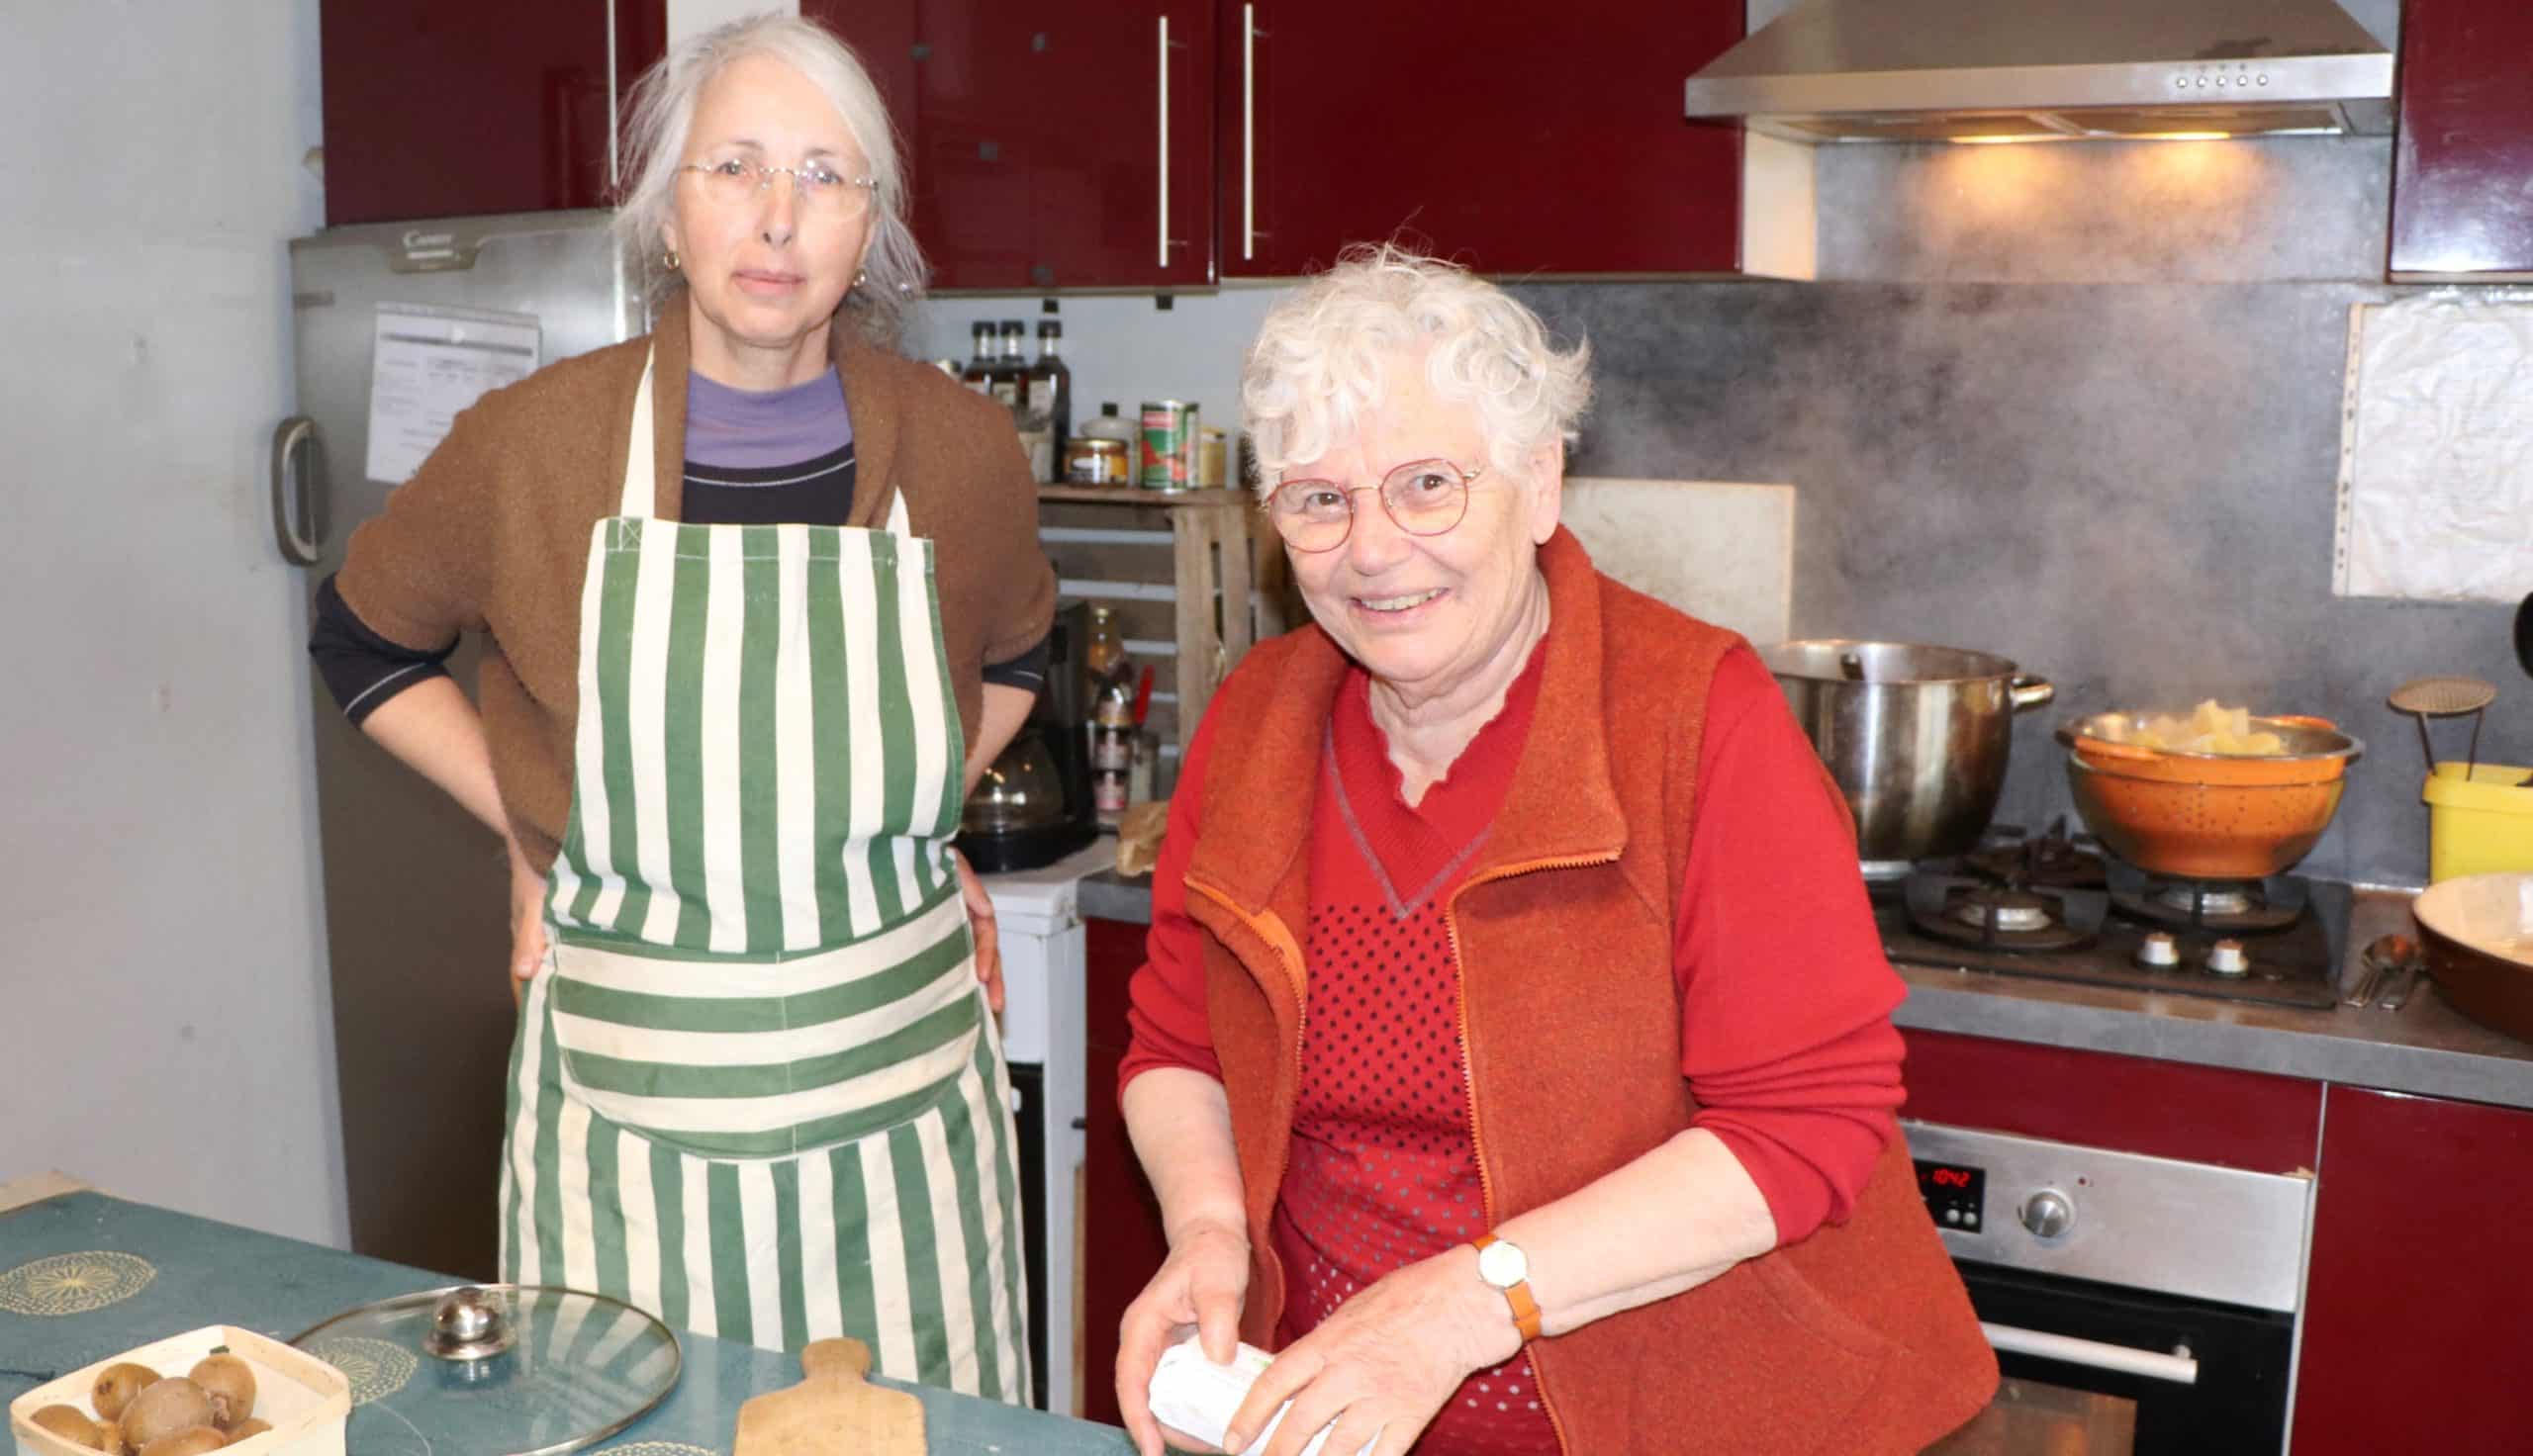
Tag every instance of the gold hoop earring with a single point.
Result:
(669, 260)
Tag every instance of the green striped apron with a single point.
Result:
(755, 1088)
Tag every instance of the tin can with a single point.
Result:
(1169, 455)
(1212, 450)
(1097, 462)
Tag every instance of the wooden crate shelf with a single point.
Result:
(1194, 577)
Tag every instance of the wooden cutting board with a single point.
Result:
(833, 1410)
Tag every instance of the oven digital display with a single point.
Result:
(1955, 1194)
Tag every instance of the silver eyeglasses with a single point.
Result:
(731, 181)
(1425, 498)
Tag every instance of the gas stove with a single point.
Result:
(2060, 908)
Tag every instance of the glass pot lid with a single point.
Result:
(495, 1369)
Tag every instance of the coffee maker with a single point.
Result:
(1032, 806)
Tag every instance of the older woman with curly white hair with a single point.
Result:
(760, 598)
(1514, 1052)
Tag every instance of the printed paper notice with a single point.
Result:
(2436, 485)
(425, 365)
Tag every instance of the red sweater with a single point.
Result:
(1803, 1092)
(1564, 936)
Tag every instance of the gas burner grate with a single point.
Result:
(2053, 860)
(2218, 906)
(1970, 910)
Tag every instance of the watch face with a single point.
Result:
(1502, 1265)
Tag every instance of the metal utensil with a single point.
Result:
(2408, 964)
(2377, 960)
(2450, 698)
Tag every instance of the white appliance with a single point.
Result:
(1044, 1027)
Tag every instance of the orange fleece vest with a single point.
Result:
(1860, 1337)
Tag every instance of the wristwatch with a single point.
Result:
(1504, 1267)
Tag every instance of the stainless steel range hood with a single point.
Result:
(2009, 70)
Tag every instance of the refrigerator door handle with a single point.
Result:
(293, 439)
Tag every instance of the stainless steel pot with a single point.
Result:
(1915, 737)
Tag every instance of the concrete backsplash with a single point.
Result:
(2124, 482)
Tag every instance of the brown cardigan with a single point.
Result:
(491, 534)
(1858, 1338)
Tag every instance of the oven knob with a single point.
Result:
(2158, 949)
(2049, 1213)
(2227, 958)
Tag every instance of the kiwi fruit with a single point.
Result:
(247, 1429)
(164, 1409)
(231, 1384)
(70, 1424)
(193, 1440)
(116, 1385)
(110, 1438)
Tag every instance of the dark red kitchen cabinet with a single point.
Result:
(457, 107)
(1553, 142)
(2462, 168)
(2418, 1304)
(884, 35)
(2104, 1099)
(1066, 144)
(1123, 1245)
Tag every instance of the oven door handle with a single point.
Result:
(2179, 1368)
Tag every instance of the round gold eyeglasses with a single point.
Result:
(1424, 498)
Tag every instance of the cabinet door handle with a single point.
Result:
(1248, 132)
(1161, 223)
(2178, 1367)
(296, 528)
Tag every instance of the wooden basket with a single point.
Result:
(304, 1401)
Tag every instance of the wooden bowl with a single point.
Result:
(2477, 932)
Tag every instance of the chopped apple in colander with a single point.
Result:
(2210, 728)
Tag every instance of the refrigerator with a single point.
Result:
(397, 326)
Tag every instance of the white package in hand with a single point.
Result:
(1192, 1394)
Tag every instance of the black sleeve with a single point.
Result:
(362, 669)
(1027, 672)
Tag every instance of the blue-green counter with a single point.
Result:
(165, 1273)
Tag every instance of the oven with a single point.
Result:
(2135, 1303)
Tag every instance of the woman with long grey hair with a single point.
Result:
(761, 598)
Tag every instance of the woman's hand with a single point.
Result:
(1384, 1363)
(982, 929)
(1201, 1286)
(527, 916)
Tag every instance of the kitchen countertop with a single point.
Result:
(2426, 1046)
(185, 1272)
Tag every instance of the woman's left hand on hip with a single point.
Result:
(1384, 1363)
(981, 928)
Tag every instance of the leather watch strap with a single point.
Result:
(1525, 1309)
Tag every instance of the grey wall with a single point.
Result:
(2078, 405)
(166, 1031)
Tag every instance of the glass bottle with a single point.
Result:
(980, 371)
(1112, 716)
(1010, 368)
(1046, 400)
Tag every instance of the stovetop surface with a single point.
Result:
(2108, 910)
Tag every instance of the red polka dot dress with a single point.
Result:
(1383, 1172)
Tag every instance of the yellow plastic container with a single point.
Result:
(2480, 825)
